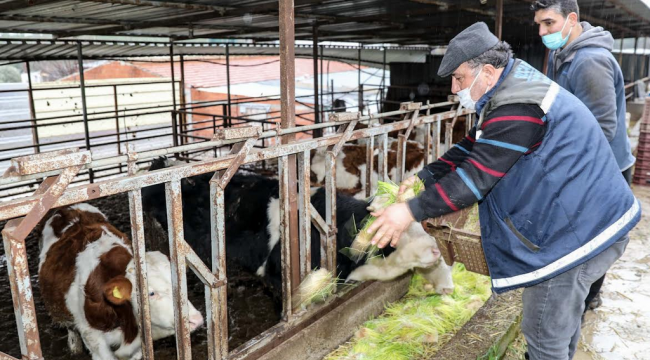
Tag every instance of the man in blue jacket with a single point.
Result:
(554, 209)
(581, 61)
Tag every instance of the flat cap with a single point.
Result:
(470, 43)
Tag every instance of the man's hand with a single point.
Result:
(406, 184)
(390, 224)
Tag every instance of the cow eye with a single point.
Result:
(152, 293)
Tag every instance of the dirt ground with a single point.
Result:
(620, 328)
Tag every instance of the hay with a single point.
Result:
(419, 324)
(316, 287)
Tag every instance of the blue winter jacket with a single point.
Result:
(560, 205)
(587, 68)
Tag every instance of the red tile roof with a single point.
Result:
(244, 69)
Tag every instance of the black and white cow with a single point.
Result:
(252, 221)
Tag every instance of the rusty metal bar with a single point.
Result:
(400, 159)
(437, 141)
(228, 120)
(383, 80)
(329, 260)
(21, 290)
(360, 100)
(322, 87)
(51, 160)
(137, 236)
(428, 140)
(4, 356)
(633, 58)
(382, 158)
(499, 19)
(317, 118)
(216, 308)
(32, 109)
(319, 222)
(346, 136)
(181, 95)
(286, 258)
(304, 208)
(117, 121)
(179, 277)
(359, 86)
(200, 269)
(370, 156)
(84, 107)
(44, 203)
(620, 54)
(401, 147)
(288, 114)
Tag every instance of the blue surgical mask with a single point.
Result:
(555, 41)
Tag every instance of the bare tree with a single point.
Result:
(55, 70)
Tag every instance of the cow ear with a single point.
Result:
(118, 290)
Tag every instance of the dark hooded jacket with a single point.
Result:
(587, 69)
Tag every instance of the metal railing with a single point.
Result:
(60, 168)
(176, 131)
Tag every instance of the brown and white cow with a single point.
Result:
(86, 276)
(351, 166)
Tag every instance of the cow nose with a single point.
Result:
(435, 251)
(196, 320)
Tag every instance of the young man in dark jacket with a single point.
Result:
(554, 210)
(581, 61)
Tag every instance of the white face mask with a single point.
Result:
(466, 98)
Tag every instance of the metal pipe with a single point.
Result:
(181, 93)
(499, 19)
(360, 105)
(317, 118)
(82, 86)
(216, 309)
(32, 109)
(177, 250)
(137, 234)
(291, 263)
(633, 67)
(322, 113)
(383, 82)
(229, 118)
(620, 54)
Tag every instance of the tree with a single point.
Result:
(9, 74)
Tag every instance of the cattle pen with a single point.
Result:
(60, 167)
(107, 155)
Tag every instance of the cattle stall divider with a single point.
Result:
(59, 168)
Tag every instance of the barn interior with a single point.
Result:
(368, 56)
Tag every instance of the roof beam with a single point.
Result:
(21, 4)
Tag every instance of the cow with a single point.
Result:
(351, 166)
(86, 276)
(252, 224)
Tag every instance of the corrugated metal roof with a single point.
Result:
(34, 50)
(431, 22)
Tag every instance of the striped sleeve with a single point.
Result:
(449, 160)
(507, 134)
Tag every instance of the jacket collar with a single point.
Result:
(488, 95)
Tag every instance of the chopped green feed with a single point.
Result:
(419, 324)
(387, 191)
(316, 287)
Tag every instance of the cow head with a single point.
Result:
(160, 296)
